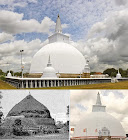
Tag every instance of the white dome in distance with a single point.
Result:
(9, 74)
(118, 76)
(49, 71)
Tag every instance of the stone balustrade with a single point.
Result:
(58, 82)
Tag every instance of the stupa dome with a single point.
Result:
(118, 76)
(49, 71)
(29, 107)
(96, 122)
(65, 57)
(9, 74)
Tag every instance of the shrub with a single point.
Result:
(2, 131)
(2, 78)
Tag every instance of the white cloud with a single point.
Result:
(121, 2)
(5, 37)
(4, 2)
(10, 53)
(13, 23)
(33, 1)
(16, 3)
(107, 41)
(64, 26)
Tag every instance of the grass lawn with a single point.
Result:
(119, 85)
(4, 85)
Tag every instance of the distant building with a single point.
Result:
(99, 75)
(86, 71)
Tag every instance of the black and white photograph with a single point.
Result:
(35, 114)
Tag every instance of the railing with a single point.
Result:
(58, 82)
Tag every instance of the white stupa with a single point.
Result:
(9, 74)
(98, 123)
(86, 68)
(118, 76)
(49, 71)
(65, 57)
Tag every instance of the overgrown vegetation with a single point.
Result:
(18, 74)
(112, 72)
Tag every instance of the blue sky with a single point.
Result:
(94, 26)
(78, 15)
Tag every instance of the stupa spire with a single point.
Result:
(118, 71)
(49, 62)
(98, 107)
(98, 100)
(58, 28)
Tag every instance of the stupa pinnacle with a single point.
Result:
(58, 28)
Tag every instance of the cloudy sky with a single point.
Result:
(55, 100)
(98, 28)
(116, 102)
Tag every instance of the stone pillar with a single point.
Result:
(54, 83)
(43, 83)
(51, 83)
(22, 84)
(26, 83)
(70, 82)
(58, 83)
(39, 83)
(84, 82)
(64, 83)
(35, 83)
(80, 82)
(31, 84)
(47, 83)
(76, 82)
(61, 82)
(67, 83)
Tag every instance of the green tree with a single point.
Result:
(113, 74)
(10, 72)
(110, 72)
(17, 74)
(1, 72)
